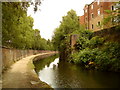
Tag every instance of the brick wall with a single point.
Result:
(94, 13)
(81, 20)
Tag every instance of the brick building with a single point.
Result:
(94, 14)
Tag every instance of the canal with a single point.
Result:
(60, 74)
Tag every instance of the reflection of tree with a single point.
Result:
(40, 64)
(70, 75)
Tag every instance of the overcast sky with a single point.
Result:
(50, 14)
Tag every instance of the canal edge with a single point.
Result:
(36, 82)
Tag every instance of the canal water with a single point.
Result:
(60, 74)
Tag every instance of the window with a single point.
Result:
(99, 23)
(91, 6)
(98, 2)
(86, 18)
(112, 8)
(115, 6)
(86, 10)
(98, 11)
(92, 15)
(92, 26)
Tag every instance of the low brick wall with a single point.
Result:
(10, 56)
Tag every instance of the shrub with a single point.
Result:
(84, 38)
(85, 56)
(94, 50)
(113, 50)
(106, 58)
(87, 34)
(95, 42)
(74, 58)
(81, 43)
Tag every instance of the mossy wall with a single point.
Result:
(111, 34)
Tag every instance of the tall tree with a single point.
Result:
(62, 34)
(11, 20)
(18, 29)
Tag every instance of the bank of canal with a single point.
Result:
(61, 74)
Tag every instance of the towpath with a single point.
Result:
(22, 75)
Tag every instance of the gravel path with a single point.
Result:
(22, 75)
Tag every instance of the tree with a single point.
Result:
(12, 20)
(18, 29)
(69, 25)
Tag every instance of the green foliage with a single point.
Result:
(80, 44)
(84, 56)
(18, 29)
(113, 16)
(95, 42)
(91, 51)
(103, 55)
(106, 58)
(14, 23)
(87, 34)
(107, 20)
(109, 58)
(108, 11)
(75, 58)
(68, 25)
(84, 38)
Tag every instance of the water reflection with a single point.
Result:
(42, 63)
(54, 64)
(48, 74)
(60, 74)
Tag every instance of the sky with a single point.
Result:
(51, 12)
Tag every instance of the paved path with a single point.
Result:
(21, 75)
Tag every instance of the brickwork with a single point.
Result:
(94, 13)
(82, 22)
(94, 22)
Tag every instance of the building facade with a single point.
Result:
(94, 14)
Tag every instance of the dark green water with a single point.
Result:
(60, 74)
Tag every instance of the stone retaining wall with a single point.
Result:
(112, 34)
(10, 56)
